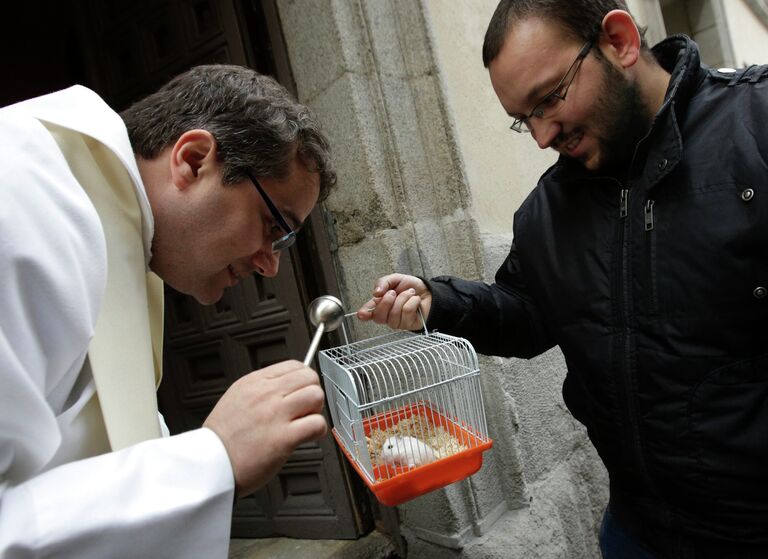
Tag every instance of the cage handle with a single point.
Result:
(354, 313)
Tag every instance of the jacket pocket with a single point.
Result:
(728, 422)
(707, 246)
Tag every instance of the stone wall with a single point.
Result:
(409, 182)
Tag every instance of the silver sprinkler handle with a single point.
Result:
(313, 346)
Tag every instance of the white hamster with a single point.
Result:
(407, 451)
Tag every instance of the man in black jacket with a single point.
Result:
(643, 254)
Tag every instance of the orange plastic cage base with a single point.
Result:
(395, 485)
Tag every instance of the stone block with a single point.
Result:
(676, 18)
(548, 431)
(710, 46)
(364, 200)
(701, 14)
(495, 251)
(314, 44)
(560, 519)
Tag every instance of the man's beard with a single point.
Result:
(622, 119)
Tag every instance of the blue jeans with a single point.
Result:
(616, 543)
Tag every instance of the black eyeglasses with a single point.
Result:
(287, 240)
(552, 101)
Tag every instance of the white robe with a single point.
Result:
(60, 494)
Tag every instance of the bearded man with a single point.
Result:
(642, 254)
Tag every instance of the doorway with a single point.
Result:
(124, 49)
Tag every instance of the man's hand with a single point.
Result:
(395, 302)
(263, 416)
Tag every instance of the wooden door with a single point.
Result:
(130, 48)
(257, 323)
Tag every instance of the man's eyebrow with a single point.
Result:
(537, 93)
(541, 90)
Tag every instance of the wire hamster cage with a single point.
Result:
(407, 411)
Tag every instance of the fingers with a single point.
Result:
(297, 380)
(385, 283)
(396, 319)
(395, 282)
(305, 401)
(400, 310)
(380, 313)
(381, 287)
(297, 385)
(410, 312)
(281, 369)
(365, 312)
(390, 295)
(307, 428)
(263, 416)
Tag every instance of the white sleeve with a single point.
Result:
(170, 497)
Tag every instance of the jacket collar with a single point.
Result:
(663, 148)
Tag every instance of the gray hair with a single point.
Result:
(257, 124)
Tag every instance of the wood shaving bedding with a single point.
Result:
(442, 442)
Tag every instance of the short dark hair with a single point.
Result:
(581, 19)
(257, 124)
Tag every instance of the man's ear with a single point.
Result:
(620, 40)
(192, 151)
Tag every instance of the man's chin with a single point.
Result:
(210, 297)
(210, 300)
(592, 163)
(589, 162)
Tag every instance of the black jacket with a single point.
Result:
(655, 289)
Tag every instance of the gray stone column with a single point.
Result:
(368, 69)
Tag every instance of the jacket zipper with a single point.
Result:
(624, 241)
(622, 276)
(650, 245)
(627, 378)
(623, 202)
(649, 215)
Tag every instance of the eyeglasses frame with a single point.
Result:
(520, 125)
(287, 240)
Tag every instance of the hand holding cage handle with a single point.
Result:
(327, 313)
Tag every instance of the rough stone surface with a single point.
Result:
(495, 250)
(322, 38)
(365, 200)
(403, 203)
(559, 521)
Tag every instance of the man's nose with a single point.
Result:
(544, 131)
(266, 262)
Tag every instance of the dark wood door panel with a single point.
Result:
(143, 43)
(308, 486)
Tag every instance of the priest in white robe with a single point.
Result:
(87, 220)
